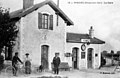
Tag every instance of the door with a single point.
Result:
(8, 53)
(75, 58)
(44, 56)
(90, 58)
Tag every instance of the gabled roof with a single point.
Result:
(76, 38)
(21, 13)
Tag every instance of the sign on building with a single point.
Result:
(85, 40)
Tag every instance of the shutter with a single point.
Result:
(39, 20)
(51, 22)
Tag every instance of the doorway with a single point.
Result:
(90, 58)
(75, 57)
(44, 56)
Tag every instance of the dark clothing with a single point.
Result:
(56, 70)
(15, 60)
(15, 70)
(1, 62)
(56, 63)
(15, 64)
(40, 68)
(27, 67)
(103, 62)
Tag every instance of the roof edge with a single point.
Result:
(23, 13)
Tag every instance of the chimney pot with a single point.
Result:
(27, 3)
(91, 32)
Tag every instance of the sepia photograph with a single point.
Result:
(59, 39)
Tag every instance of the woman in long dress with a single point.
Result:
(27, 64)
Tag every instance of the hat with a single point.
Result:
(27, 54)
(57, 53)
(16, 53)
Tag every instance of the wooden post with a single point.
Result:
(57, 21)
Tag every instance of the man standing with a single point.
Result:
(56, 63)
(103, 62)
(15, 63)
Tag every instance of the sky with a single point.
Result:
(103, 16)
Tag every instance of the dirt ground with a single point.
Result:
(105, 72)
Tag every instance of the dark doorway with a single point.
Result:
(90, 58)
(8, 53)
(75, 57)
(44, 56)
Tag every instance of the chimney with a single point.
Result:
(91, 32)
(27, 3)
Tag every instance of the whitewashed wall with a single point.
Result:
(83, 62)
(97, 50)
(32, 38)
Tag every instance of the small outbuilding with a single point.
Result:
(84, 50)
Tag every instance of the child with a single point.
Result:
(40, 69)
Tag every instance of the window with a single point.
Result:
(82, 55)
(45, 21)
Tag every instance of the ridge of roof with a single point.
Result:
(77, 33)
(21, 12)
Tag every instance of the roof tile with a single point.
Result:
(76, 38)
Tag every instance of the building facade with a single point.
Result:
(39, 33)
(84, 49)
(42, 33)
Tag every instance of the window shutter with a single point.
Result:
(51, 22)
(39, 20)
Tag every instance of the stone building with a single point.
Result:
(42, 33)
(39, 35)
(85, 50)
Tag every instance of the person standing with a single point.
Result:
(15, 63)
(103, 62)
(27, 64)
(1, 62)
(56, 63)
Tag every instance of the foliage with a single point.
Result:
(8, 29)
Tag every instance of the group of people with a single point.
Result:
(26, 62)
